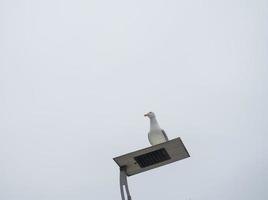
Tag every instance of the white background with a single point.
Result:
(76, 78)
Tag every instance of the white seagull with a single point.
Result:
(156, 135)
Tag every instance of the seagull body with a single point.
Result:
(156, 135)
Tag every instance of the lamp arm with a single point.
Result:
(123, 182)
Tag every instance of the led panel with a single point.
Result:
(153, 157)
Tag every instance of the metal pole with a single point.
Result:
(123, 182)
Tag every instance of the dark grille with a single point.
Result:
(152, 158)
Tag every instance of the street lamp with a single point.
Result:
(147, 159)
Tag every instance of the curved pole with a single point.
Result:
(123, 182)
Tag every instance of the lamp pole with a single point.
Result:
(123, 182)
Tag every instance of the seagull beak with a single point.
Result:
(146, 115)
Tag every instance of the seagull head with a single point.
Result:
(150, 115)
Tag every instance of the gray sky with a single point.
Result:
(76, 78)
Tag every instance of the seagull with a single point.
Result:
(156, 135)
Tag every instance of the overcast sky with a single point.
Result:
(76, 78)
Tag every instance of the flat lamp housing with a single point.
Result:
(152, 157)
